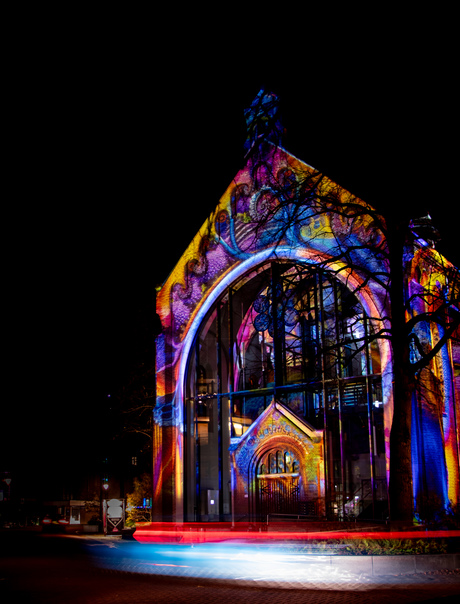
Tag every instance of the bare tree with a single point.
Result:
(137, 399)
(293, 208)
(134, 399)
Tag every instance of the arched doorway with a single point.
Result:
(278, 466)
(278, 483)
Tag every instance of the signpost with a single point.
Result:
(113, 515)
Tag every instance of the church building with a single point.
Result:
(274, 367)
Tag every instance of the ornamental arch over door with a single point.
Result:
(278, 466)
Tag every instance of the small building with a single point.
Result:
(274, 367)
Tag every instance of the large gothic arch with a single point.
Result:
(223, 251)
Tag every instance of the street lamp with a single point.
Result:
(8, 484)
(105, 487)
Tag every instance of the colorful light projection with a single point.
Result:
(260, 217)
(242, 232)
(434, 439)
(240, 235)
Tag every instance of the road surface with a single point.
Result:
(40, 568)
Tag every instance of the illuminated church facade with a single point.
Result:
(274, 373)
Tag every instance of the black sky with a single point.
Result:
(120, 146)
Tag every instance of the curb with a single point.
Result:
(375, 566)
(390, 565)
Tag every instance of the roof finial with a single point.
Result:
(262, 120)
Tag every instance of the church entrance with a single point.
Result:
(278, 467)
(277, 484)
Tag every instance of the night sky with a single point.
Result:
(118, 151)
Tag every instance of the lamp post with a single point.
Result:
(105, 487)
(8, 484)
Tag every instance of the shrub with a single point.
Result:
(380, 547)
(135, 510)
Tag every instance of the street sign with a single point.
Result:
(113, 515)
(115, 508)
